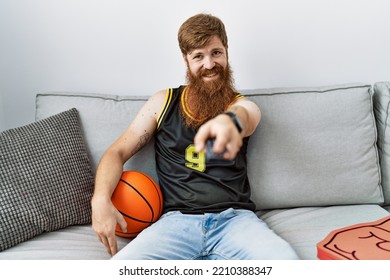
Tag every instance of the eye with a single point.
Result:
(197, 57)
(217, 53)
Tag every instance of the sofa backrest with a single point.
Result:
(103, 118)
(313, 147)
(382, 111)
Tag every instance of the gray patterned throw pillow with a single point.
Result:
(46, 180)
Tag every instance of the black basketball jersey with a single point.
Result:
(189, 183)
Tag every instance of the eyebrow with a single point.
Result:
(195, 52)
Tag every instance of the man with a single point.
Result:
(208, 213)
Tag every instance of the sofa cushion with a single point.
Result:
(314, 147)
(382, 112)
(77, 242)
(103, 119)
(46, 180)
(304, 227)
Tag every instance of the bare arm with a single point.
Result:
(110, 168)
(223, 129)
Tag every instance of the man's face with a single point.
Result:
(202, 61)
(210, 83)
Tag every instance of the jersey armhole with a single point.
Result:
(168, 98)
(238, 96)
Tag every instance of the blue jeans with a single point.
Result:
(232, 234)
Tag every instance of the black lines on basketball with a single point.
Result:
(146, 201)
(139, 199)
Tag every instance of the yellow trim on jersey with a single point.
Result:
(168, 99)
(184, 103)
(238, 96)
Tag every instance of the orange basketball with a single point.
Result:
(139, 199)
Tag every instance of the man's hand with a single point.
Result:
(224, 131)
(226, 135)
(105, 217)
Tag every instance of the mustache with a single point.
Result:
(217, 69)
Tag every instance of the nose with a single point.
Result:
(208, 63)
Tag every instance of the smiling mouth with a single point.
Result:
(210, 76)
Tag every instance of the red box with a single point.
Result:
(365, 241)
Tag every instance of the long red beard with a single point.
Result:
(205, 100)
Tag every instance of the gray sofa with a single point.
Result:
(319, 161)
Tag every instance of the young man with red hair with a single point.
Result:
(208, 213)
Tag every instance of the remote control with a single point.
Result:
(210, 154)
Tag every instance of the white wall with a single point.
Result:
(130, 47)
